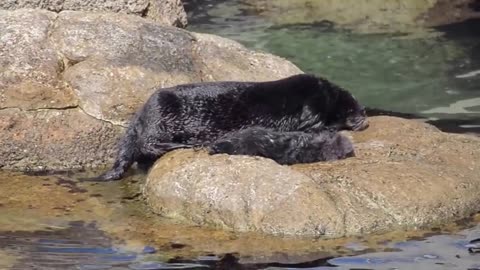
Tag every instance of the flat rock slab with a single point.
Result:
(406, 174)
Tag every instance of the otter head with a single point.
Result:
(347, 113)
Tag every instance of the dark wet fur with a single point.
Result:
(285, 147)
(190, 115)
(474, 246)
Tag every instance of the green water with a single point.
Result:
(432, 75)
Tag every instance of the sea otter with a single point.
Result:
(197, 114)
(286, 148)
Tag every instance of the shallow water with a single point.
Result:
(57, 222)
(434, 75)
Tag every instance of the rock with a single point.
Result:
(130, 56)
(124, 55)
(29, 65)
(216, 54)
(98, 69)
(369, 15)
(448, 11)
(169, 12)
(54, 140)
(406, 174)
(240, 193)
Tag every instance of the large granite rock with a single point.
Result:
(169, 12)
(369, 15)
(55, 140)
(406, 174)
(30, 68)
(84, 74)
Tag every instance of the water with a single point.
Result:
(434, 76)
(56, 222)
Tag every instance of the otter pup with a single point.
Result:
(285, 147)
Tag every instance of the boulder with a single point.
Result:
(369, 15)
(131, 56)
(55, 140)
(84, 74)
(169, 12)
(240, 193)
(406, 174)
(30, 68)
(115, 61)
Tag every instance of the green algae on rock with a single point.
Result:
(406, 174)
(368, 15)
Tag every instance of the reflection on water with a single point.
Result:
(83, 246)
(56, 222)
(442, 252)
(467, 106)
(435, 76)
(79, 246)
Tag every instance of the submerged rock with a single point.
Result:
(82, 75)
(369, 15)
(169, 12)
(405, 174)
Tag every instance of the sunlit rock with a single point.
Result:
(169, 12)
(69, 82)
(406, 174)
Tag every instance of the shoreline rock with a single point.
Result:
(84, 74)
(406, 174)
(375, 16)
(170, 12)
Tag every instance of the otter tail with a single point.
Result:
(125, 157)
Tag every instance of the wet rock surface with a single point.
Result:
(406, 174)
(112, 214)
(84, 74)
(169, 12)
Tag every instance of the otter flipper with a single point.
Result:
(125, 157)
(125, 160)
